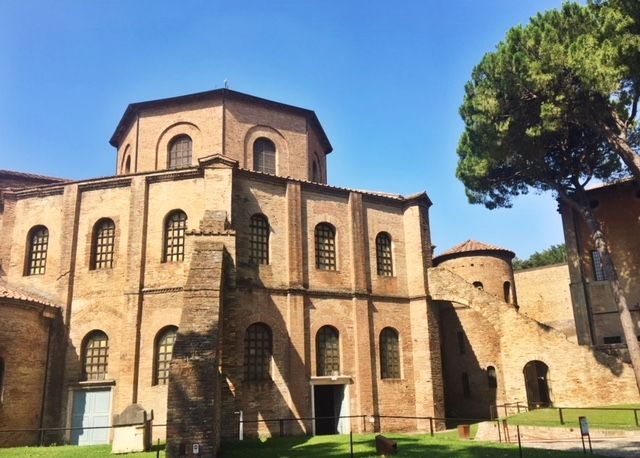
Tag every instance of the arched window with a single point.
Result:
(478, 285)
(315, 172)
(383, 255)
(327, 351)
(259, 239)
(96, 356)
(1, 380)
(163, 352)
(103, 243)
(257, 352)
(492, 379)
(174, 228)
(264, 156)
(38, 242)
(507, 292)
(180, 152)
(325, 247)
(127, 165)
(389, 353)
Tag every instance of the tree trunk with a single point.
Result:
(619, 143)
(611, 274)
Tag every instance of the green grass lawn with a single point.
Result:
(606, 419)
(418, 446)
(72, 451)
(441, 446)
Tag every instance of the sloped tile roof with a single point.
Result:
(471, 246)
(10, 292)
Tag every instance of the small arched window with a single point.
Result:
(38, 242)
(389, 353)
(96, 356)
(1, 380)
(315, 172)
(492, 379)
(383, 255)
(507, 291)
(103, 244)
(325, 236)
(478, 285)
(257, 352)
(259, 239)
(327, 351)
(175, 227)
(127, 165)
(264, 156)
(180, 152)
(163, 353)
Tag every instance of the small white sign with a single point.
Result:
(196, 449)
(584, 426)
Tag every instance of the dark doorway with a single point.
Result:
(328, 401)
(535, 379)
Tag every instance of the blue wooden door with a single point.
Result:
(91, 408)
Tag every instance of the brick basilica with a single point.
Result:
(217, 272)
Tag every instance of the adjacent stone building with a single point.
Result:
(217, 274)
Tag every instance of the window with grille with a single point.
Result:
(180, 152)
(598, 268)
(264, 156)
(37, 257)
(492, 379)
(96, 356)
(259, 239)
(257, 352)
(104, 234)
(389, 353)
(164, 350)
(383, 255)
(327, 351)
(174, 232)
(325, 247)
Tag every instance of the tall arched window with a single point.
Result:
(389, 353)
(315, 172)
(507, 291)
(257, 352)
(259, 239)
(327, 351)
(492, 379)
(38, 242)
(175, 227)
(96, 356)
(264, 156)
(103, 244)
(383, 255)
(1, 380)
(325, 246)
(163, 352)
(127, 165)
(180, 152)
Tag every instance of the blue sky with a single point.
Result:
(385, 80)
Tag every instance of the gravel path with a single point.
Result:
(613, 447)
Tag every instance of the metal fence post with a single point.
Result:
(431, 426)
(561, 416)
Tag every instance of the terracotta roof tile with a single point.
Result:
(10, 292)
(473, 245)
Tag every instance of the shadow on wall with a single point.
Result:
(470, 387)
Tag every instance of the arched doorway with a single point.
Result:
(535, 379)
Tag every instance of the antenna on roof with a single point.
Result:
(226, 83)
